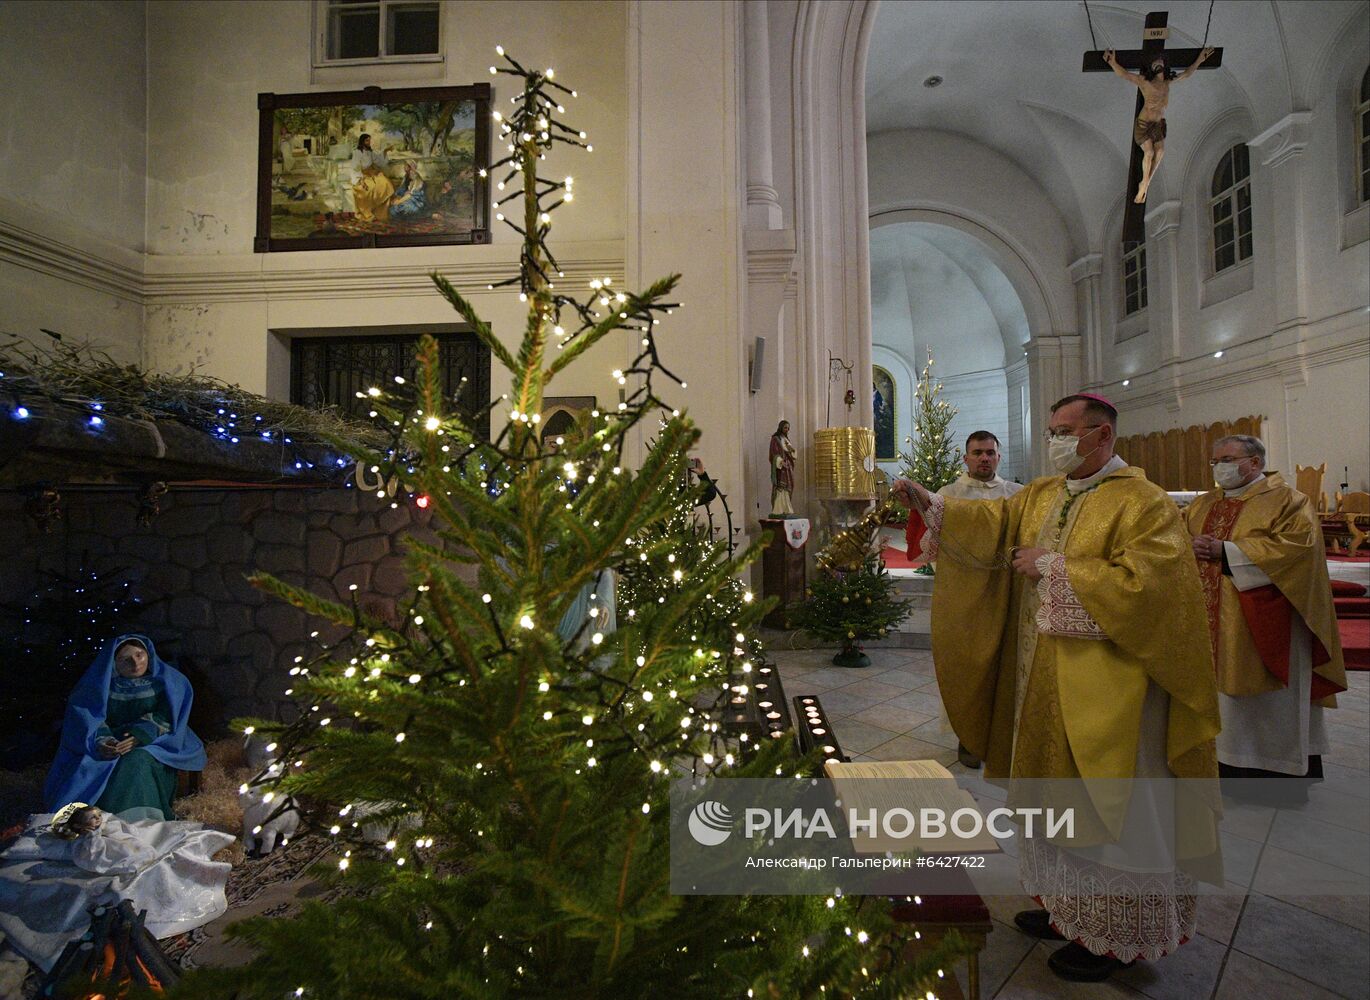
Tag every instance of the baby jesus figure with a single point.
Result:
(1149, 129)
(82, 856)
(105, 844)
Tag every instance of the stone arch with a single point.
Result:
(1028, 278)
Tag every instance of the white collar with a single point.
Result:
(1242, 489)
(970, 480)
(1111, 466)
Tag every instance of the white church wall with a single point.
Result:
(684, 199)
(1017, 443)
(72, 162)
(1339, 253)
(214, 303)
(981, 401)
(972, 186)
(921, 299)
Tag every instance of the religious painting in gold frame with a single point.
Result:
(885, 415)
(373, 168)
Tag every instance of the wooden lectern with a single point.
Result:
(783, 570)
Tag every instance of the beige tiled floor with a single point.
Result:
(1247, 947)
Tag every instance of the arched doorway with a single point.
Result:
(937, 289)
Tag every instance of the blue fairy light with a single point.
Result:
(96, 421)
(21, 412)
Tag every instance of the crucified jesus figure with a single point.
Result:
(1148, 131)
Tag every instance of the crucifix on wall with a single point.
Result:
(1153, 77)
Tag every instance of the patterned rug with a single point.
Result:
(272, 886)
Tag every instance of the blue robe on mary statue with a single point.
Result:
(153, 710)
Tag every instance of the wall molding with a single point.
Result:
(248, 277)
(47, 247)
(69, 254)
(1330, 341)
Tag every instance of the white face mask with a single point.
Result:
(1061, 452)
(1228, 475)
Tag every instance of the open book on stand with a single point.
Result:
(908, 805)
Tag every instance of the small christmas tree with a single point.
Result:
(934, 461)
(688, 539)
(524, 772)
(850, 607)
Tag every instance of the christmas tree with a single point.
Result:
(934, 461)
(850, 607)
(522, 760)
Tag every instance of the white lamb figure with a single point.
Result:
(380, 832)
(259, 824)
(261, 828)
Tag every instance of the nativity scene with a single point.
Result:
(377, 630)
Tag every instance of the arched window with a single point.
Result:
(1230, 209)
(1363, 139)
(1134, 279)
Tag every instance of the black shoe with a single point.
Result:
(1038, 924)
(967, 758)
(1077, 963)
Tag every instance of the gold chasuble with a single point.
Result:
(1099, 677)
(1277, 529)
(1129, 561)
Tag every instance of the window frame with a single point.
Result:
(1136, 253)
(1230, 197)
(402, 343)
(323, 34)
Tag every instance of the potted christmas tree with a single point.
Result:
(850, 607)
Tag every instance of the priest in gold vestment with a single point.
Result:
(1271, 623)
(1069, 645)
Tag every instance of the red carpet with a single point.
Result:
(1352, 608)
(1358, 557)
(1355, 642)
(898, 559)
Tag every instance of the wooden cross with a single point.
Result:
(1154, 34)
